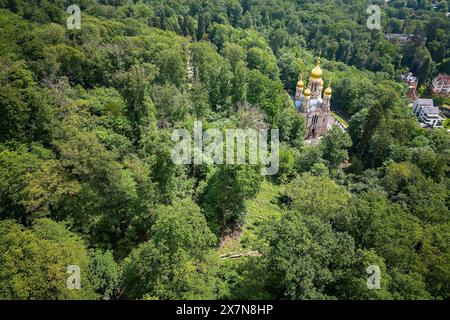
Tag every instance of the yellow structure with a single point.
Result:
(314, 102)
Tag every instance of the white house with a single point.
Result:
(441, 85)
(427, 113)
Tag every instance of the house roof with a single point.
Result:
(430, 110)
(443, 77)
(424, 102)
(409, 77)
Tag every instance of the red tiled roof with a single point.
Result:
(444, 77)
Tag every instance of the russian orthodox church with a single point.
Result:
(313, 104)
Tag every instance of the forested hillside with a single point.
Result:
(87, 178)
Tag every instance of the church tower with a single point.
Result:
(315, 83)
(327, 98)
(314, 103)
(299, 89)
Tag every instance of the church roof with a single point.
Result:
(315, 103)
(316, 72)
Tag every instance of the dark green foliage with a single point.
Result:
(104, 273)
(178, 262)
(224, 195)
(307, 257)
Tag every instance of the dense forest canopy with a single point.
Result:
(87, 179)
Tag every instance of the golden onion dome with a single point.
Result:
(321, 83)
(300, 84)
(316, 72)
(307, 92)
(328, 91)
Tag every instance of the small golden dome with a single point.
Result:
(300, 84)
(316, 72)
(307, 92)
(328, 91)
(321, 83)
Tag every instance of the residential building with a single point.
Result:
(441, 85)
(402, 38)
(427, 113)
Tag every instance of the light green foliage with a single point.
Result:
(15, 165)
(46, 188)
(287, 165)
(318, 196)
(33, 262)
(426, 199)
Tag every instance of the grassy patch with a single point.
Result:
(263, 208)
(340, 119)
(446, 123)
